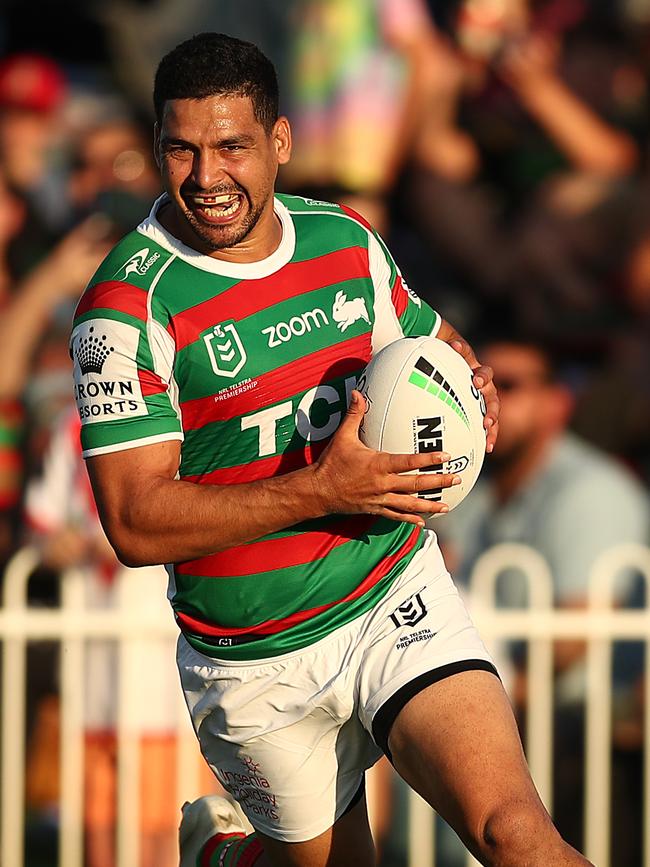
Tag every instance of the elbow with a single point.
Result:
(130, 546)
(131, 558)
(129, 553)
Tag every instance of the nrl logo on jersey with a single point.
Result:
(225, 349)
(139, 263)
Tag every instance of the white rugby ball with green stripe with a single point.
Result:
(420, 398)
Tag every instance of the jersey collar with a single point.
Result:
(152, 229)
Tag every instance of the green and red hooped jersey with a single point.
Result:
(251, 367)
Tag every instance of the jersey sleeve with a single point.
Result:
(399, 311)
(123, 371)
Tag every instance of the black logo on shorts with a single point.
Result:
(410, 612)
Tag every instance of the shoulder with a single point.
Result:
(590, 483)
(313, 214)
(124, 279)
(588, 466)
(136, 259)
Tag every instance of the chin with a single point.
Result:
(217, 238)
(221, 238)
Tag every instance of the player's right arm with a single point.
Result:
(151, 517)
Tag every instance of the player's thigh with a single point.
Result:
(348, 843)
(456, 743)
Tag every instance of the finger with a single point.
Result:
(392, 463)
(491, 438)
(492, 407)
(407, 517)
(482, 376)
(462, 346)
(406, 504)
(491, 420)
(404, 517)
(413, 483)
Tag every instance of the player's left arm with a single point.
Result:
(483, 379)
(399, 312)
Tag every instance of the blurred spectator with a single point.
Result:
(12, 219)
(113, 172)
(354, 97)
(110, 186)
(613, 408)
(12, 215)
(32, 90)
(34, 366)
(56, 282)
(510, 110)
(548, 489)
(139, 33)
(512, 64)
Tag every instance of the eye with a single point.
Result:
(177, 150)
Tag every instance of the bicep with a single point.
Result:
(124, 481)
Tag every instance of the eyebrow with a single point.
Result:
(243, 139)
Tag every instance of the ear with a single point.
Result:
(156, 143)
(282, 140)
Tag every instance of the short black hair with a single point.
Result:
(209, 64)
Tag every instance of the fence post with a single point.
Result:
(14, 678)
(421, 832)
(72, 742)
(599, 691)
(128, 739)
(539, 726)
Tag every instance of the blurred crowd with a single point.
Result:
(500, 146)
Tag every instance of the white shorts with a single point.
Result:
(291, 736)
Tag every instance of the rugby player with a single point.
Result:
(216, 352)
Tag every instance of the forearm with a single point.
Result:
(151, 517)
(23, 324)
(587, 141)
(171, 520)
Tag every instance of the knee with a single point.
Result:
(518, 832)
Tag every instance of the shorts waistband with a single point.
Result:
(225, 640)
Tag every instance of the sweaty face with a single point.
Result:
(219, 165)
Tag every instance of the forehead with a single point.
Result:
(209, 117)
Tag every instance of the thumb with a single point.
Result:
(356, 411)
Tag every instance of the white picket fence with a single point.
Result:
(72, 624)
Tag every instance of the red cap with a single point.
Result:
(32, 82)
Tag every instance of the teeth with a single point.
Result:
(222, 212)
(215, 200)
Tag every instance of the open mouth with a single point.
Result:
(218, 208)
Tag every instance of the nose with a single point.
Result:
(208, 169)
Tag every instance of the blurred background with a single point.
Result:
(501, 147)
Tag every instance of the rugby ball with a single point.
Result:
(420, 398)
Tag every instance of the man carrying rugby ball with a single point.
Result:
(215, 363)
